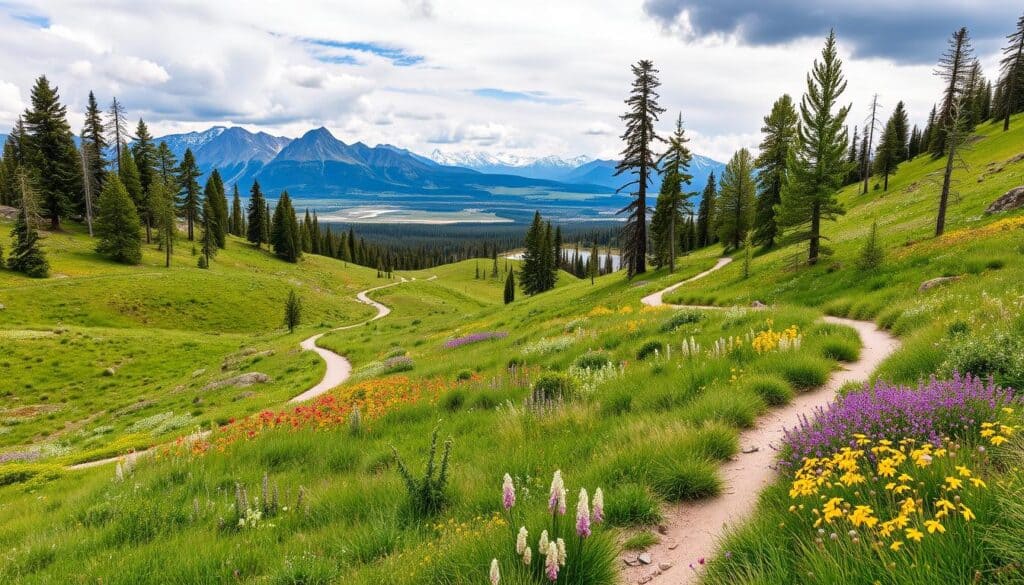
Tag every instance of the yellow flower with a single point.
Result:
(945, 504)
(978, 482)
(900, 521)
(967, 513)
(987, 433)
(963, 471)
(895, 546)
(934, 526)
(954, 483)
(904, 478)
(1007, 410)
(863, 515)
(998, 440)
(914, 534)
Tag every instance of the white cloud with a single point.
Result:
(136, 71)
(11, 105)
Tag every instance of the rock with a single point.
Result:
(758, 305)
(673, 546)
(8, 212)
(1012, 199)
(240, 381)
(750, 450)
(198, 372)
(243, 396)
(644, 558)
(930, 284)
(664, 566)
(109, 372)
(662, 529)
(645, 579)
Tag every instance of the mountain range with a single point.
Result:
(319, 166)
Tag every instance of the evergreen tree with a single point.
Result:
(914, 146)
(817, 167)
(748, 246)
(871, 255)
(510, 288)
(852, 158)
(94, 144)
(265, 226)
(592, 265)
(214, 192)
(165, 217)
(736, 200)
(549, 272)
(237, 218)
(12, 163)
(208, 236)
(926, 134)
(1012, 71)
(27, 255)
(888, 155)
(316, 236)
(776, 147)
(292, 311)
(954, 68)
(674, 199)
(257, 209)
(706, 214)
(167, 167)
(532, 278)
(559, 253)
(145, 153)
(50, 152)
(190, 200)
(284, 232)
(869, 135)
(901, 131)
(638, 161)
(129, 175)
(117, 128)
(117, 222)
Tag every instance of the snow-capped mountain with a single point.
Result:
(506, 163)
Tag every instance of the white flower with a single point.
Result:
(561, 551)
(542, 546)
(495, 573)
(521, 540)
(527, 556)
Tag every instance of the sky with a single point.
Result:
(531, 78)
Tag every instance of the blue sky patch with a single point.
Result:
(504, 95)
(397, 55)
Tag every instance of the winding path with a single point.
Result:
(694, 528)
(338, 370)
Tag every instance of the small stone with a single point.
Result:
(758, 305)
(673, 546)
(644, 558)
(645, 579)
(198, 372)
(109, 372)
(930, 284)
(664, 566)
(662, 529)
(749, 450)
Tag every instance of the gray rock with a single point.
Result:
(664, 566)
(1012, 199)
(644, 558)
(930, 284)
(758, 305)
(239, 381)
(109, 372)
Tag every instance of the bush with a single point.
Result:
(999, 354)
(842, 350)
(454, 400)
(631, 504)
(463, 375)
(552, 386)
(680, 318)
(617, 402)
(802, 371)
(593, 360)
(676, 479)
(650, 348)
(773, 390)
(11, 473)
(872, 254)
(738, 409)
(426, 494)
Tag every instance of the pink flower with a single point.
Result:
(508, 493)
(583, 515)
(556, 500)
(495, 573)
(551, 563)
(598, 513)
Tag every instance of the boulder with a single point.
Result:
(930, 284)
(1012, 199)
(758, 305)
(239, 381)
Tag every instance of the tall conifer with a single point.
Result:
(776, 147)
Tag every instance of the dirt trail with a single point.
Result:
(338, 370)
(694, 528)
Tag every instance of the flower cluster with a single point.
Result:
(954, 407)
(770, 340)
(551, 544)
(474, 338)
(600, 311)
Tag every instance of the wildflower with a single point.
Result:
(914, 534)
(963, 471)
(583, 514)
(967, 513)
(521, 541)
(527, 556)
(495, 573)
(978, 482)
(508, 493)
(556, 500)
(542, 545)
(560, 545)
(954, 483)
(551, 564)
(598, 508)
(998, 440)
(934, 526)
(895, 546)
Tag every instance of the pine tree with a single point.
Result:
(817, 167)
(13, 164)
(510, 287)
(954, 68)
(592, 265)
(117, 129)
(237, 218)
(638, 161)
(208, 236)
(736, 200)
(871, 255)
(748, 248)
(1012, 70)
(117, 222)
(167, 167)
(869, 135)
(214, 193)
(265, 225)
(549, 272)
(50, 152)
(292, 311)
(532, 279)
(27, 255)
(888, 155)
(190, 200)
(558, 253)
(674, 198)
(94, 144)
(129, 176)
(926, 134)
(706, 214)
(776, 147)
(257, 209)
(145, 152)
(914, 146)
(901, 130)
(284, 232)
(165, 217)
(317, 237)
(852, 158)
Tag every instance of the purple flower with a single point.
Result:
(583, 515)
(598, 513)
(551, 562)
(508, 493)
(474, 338)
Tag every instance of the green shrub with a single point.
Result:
(999, 354)
(772, 389)
(738, 408)
(11, 473)
(454, 400)
(801, 370)
(680, 318)
(463, 375)
(630, 504)
(426, 494)
(593, 360)
(551, 386)
(842, 350)
(649, 348)
(641, 541)
(617, 402)
(682, 479)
